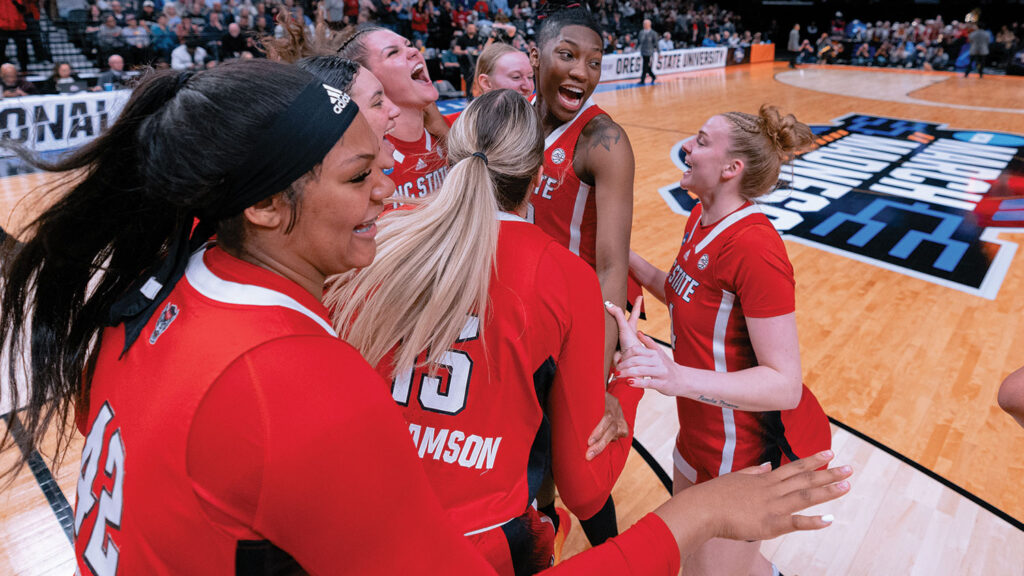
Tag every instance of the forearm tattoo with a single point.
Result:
(716, 402)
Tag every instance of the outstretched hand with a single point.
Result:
(612, 426)
(755, 504)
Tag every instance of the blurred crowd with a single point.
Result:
(931, 44)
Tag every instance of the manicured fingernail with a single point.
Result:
(590, 454)
(845, 469)
(763, 464)
(844, 485)
(608, 304)
(826, 454)
(828, 518)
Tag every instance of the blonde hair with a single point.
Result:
(434, 263)
(765, 142)
(486, 62)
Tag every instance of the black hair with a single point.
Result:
(122, 197)
(557, 14)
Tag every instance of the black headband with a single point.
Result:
(295, 142)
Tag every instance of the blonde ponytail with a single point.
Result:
(434, 263)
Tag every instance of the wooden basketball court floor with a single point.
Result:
(909, 364)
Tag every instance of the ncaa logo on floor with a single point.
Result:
(909, 196)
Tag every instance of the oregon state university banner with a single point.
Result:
(913, 197)
(58, 122)
(625, 66)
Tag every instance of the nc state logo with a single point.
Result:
(703, 262)
(558, 156)
(169, 313)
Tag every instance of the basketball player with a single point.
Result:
(730, 294)
(585, 198)
(514, 351)
(502, 66)
(220, 437)
(420, 162)
(316, 54)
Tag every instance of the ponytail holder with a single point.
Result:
(481, 156)
(182, 79)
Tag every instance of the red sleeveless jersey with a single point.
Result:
(725, 272)
(562, 205)
(420, 166)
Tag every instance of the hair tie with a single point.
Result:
(182, 79)
(481, 156)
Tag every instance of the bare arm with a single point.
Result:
(775, 384)
(604, 157)
(648, 275)
(1011, 395)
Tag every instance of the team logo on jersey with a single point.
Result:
(686, 256)
(908, 196)
(703, 262)
(167, 315)
(420, 164)
(558, 156)
(338, 98)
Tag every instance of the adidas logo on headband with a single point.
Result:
(338, 98)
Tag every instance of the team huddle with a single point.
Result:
(232, 332)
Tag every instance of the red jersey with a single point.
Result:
(564, 206)
(226, 438)
(726, 272)
(524, 389)
(420, 166)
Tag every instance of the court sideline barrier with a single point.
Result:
(625, 66)
(58, 122)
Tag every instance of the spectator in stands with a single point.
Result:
(114, 75)
(898, 54)
(173, 17)
(979, 40)
(188, 56)
(225, 16)
(117, 11)
(938, 61)
(882, 54)
(862, 57)
(186, 29)
(30, 12)
(148, 12)
(12, 25)
(420, 21)
(162, 39)
(233, 42)
(666, 42)
(468, 47)
(212, 33)
(451, 70)
(136, 39)
(62, 74)
(110, 38)
(14, 85)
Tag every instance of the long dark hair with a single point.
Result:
(123, 196)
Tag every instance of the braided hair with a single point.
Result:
(554, 15)
(765, 141)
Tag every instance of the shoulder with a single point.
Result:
(601, 130)
(755, 233)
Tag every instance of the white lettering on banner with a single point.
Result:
(624, 66)
(45, 123)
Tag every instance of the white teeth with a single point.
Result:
(574, 90)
